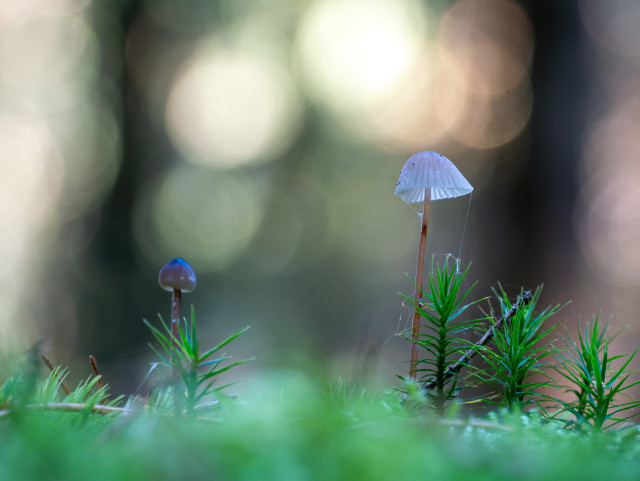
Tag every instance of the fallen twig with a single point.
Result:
(96, 408)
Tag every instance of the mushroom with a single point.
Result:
(427, 176)
(176, 276)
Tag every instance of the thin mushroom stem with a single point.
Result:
(176, 276)
(176, 300)
(415, 333)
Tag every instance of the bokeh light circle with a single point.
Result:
(208, 217)
(30, 180)
(92, 162)
(610, 232)
(613, 24)
(353, 52)
(486, 45)
(44, 68)
(488, 122)
(228, 108)
(609, 223)
(612, 148)
(486, 49)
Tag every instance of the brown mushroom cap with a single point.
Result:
(177, 274)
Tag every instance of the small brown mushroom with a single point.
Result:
(177, 276)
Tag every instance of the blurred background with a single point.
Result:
(262, 142)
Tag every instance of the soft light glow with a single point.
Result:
(606, 219)
(421, 107)
(612, 148)
(230, 108)
(471, 82)
(92, 158)
(487, 45)
(489, 122)
(30, 177)
(58, 147)
(353, 52)
(32, 64)
(16, 12)
(205, 216)
(611, 230)
(613, 24)
(610, 222)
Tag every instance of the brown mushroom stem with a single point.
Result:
(415, 333)
(176, 300)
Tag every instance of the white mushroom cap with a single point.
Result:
(430, 170)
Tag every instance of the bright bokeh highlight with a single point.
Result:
(353, 53)
(228, 108)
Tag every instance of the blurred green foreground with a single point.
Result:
(304, 432)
